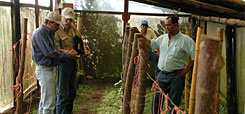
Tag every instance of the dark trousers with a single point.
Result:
(66, 86)
(171, 85)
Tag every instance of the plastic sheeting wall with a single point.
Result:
(240, 68)
(6, 57)
(6, 68)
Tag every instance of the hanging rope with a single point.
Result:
(155, 86)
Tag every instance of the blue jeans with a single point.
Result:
(171, 85)
(66, 86)
(47, 77)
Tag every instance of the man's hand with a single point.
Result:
(64, 50)
(182, 73)
(86, 52)
(73, 53)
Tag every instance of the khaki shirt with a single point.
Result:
(65, 40)
(150, 34)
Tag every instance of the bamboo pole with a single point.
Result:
(144, 51)
(130, 76)
(187, 76)
(220, 36)
(19, 81)
(193, 81)
(210, 64)
(79, 24)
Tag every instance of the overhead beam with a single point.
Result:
(196, 7)
(2, 3)
(131, 13)
(232, 4)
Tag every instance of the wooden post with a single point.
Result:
(130, 76)
(19, 80)
(230, 71)
(187, 76)
(193, 81)
(220, 36)
(144, 51)
(124, 48)
(37, 13)
(210, 64)
(128, 55)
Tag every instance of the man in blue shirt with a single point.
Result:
(45, 54)
(174, 50)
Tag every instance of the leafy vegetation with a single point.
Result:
(103, 39)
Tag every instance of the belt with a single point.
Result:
(170, 72)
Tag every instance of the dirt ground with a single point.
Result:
(86, 105)
(90, 103)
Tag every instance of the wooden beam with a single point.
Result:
(196, 7)
(33, 6)
(51, 5)
(2, 3)
(232, 4)
(131, 13)
(232, 22)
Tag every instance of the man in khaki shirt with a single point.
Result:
(64, 38)
(149, 34)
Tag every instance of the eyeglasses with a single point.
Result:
(69, 19)
(55, 23)
(168, 25)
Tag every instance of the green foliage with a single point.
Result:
(161, 28)
(112, 102)
(103, 39)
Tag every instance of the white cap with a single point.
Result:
(55, 17)
(68, 13)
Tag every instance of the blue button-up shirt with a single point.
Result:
(44, 51)
(174, 56)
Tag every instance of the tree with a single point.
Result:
(103, 39)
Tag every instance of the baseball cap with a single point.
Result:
(144, 22)
(55, 17)
(68, 13)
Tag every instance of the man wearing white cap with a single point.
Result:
(65, 39)
(46, 56)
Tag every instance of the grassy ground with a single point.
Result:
(101, 96)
